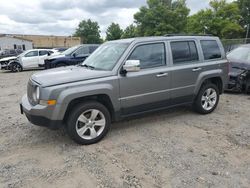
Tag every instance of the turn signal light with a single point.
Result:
(48, 103)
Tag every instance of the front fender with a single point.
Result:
(68, 95)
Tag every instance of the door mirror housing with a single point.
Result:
(132, 66)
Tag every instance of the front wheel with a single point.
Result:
(207, 99)
(16, 67)
(88, 123)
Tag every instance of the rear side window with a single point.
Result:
(184, 51)
(211, 49)
(82, 51)
(43, 52)
(150, 55)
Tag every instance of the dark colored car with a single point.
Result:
(72, 56)
(60, 49)
(239, 69)
(10, 52)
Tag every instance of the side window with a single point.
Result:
(82, 51)
(184, 52)
(210, 49)
(32, 54)
(43, 52)
(150, 55)
(92, 49)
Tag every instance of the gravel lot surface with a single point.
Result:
(174, 148)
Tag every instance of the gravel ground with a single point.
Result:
(174, 148)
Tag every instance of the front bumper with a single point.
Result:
(35, 114)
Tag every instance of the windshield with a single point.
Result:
(241, 53)
(106, 56)
(70, 51)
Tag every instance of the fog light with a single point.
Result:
(47, 103)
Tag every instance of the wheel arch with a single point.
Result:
(214, 77)
(104, 99)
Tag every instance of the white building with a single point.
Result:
(10, 42)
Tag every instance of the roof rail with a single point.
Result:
(174, 35)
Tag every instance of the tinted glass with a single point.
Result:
(210, 49)
(150, 55)
(43, 52)
(184, 52)
(82, 51)
(32, 54)
(92, 49)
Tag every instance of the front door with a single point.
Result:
(150, 87)
(30, 59)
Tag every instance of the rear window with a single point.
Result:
(184, 52)
(211, 49)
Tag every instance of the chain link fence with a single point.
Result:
(230, 44)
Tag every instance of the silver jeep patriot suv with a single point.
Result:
(124, 78)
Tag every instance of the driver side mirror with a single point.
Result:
(132, 66)
(74, 55)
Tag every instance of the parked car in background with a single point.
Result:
(4, 62)
(28, 60)
(10, 53)
(72, 56)
(239, 69)
(124, 78)
(60, 50)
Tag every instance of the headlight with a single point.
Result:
(36, 94)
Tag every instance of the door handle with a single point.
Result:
(161, 75)
(196, 69)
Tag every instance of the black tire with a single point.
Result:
(73, 124)
(198, 103)
(16, 67)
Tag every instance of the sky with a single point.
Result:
(61, 17)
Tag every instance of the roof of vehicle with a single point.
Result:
(175, 37)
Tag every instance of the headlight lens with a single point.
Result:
(36, 94)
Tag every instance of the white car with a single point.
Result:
(4, 62)
(30, 59)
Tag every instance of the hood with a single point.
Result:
(65, 75)
(8, 58)
(237, 67)
(55, 56)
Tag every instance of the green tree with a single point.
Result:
(114, 32)
(244, 6)
(221, 19)
(130, 32)
(161, 17)
(89, 31)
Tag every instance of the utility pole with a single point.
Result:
(247, 33)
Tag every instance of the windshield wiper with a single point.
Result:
(87, 66)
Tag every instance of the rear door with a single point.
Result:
(149, 88)
(30, 59)
(186, 67)
(43, 54)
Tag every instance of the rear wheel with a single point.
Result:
(207, 99)
(88, 123)
(16, 67)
